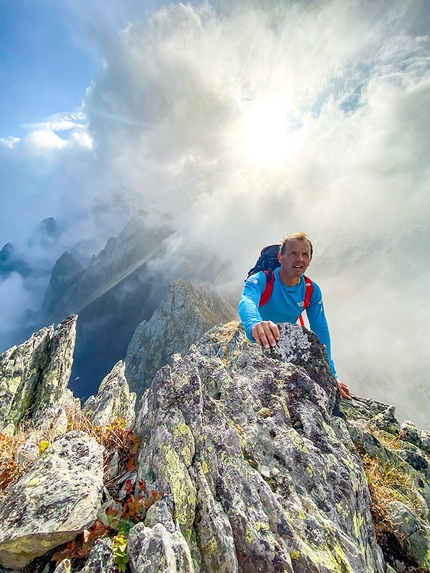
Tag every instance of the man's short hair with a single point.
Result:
(302, 236)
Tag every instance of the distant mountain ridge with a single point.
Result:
(119, 288)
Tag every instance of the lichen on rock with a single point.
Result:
(311, 512)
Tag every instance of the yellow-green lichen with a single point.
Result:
(14, 383)
(34, 482)
(294, 554)
(182, 488)
(186, 452)
(205, 467)
(181, 382)
(260, 526)
(358, 521)
(212, 545)
(181, 429)
(249, 536)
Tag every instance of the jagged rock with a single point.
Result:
(207, 446)
(72, 287)
(58, 497)
(187, 312)
(153, 549)
(11, 262)
(34, 375)
(113, 399)
(101, 559)
(301, 347)
(412, 532)
(52, 421)
(409, 433)
(64, 275)
(425, 440)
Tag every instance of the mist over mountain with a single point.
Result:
(243, 122)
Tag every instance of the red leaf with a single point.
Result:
(141, 484)
(128, 485)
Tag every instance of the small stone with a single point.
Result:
(274, 472)
(264, 413)
(28, 452)
(9, 430)
(265, 471)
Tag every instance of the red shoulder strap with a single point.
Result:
(308, 295)
(267, 293)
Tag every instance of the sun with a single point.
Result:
(269, 131)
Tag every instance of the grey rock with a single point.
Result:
(411, 531)
(205, 444)
(29, 451)
(113, 399)
(34, 375)
(424, 436)
(301, 347)
(152, 550)
(101, 558)
(409, 433)
(58, 497)
(387, 421)
(187, 312)
(53, 421)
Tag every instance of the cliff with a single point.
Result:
(237, 461)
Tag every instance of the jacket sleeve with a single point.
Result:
(249, 303)
(318, 323)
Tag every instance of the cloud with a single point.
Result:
(174, 117)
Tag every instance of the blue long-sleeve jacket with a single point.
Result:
(285, 305)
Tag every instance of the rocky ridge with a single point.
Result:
(186, 313)
(235, 463)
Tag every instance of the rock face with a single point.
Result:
(187, 312)
(35, 375)
(56, 499)
(240, 461)
(113, 400)
(257, 474)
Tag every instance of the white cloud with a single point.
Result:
(165, 119)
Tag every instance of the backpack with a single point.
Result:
(268, 262)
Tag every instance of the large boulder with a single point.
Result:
(256, 473)
(186, 313)
(55, 500)
(35, 375)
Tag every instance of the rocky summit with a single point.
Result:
(238, 460)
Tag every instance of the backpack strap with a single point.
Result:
(267, 293)
(308, 295)
(270, 282)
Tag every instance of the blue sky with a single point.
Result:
(45, 63)
(243, 121)
(49, 53)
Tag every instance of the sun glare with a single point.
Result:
(269, 131)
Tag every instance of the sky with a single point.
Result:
(244, 121)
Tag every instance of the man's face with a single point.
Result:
(296, 258)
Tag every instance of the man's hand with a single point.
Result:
(343, 389)
(266, 334)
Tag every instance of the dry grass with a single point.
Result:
(388, 482)
(115, 437)
(10, 470)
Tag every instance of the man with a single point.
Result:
(287, 300)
